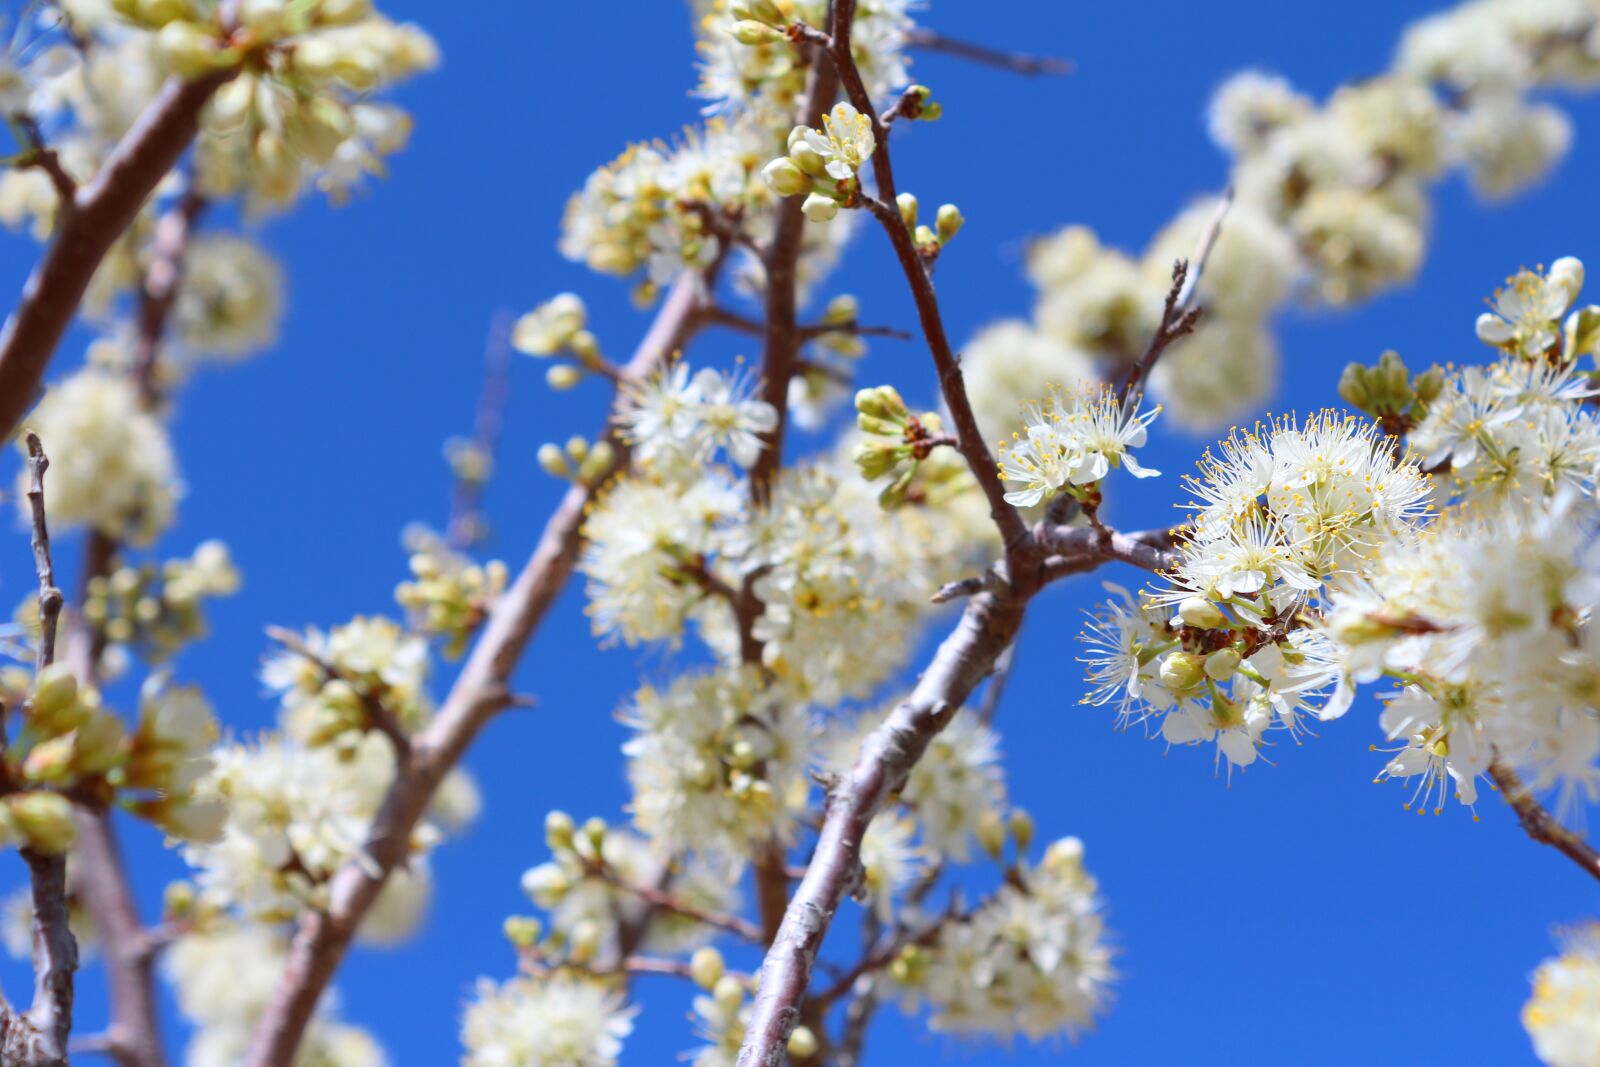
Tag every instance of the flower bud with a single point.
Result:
(1182, 671)
(522, 930)
(558, 831)
(802, 1043)
(1201, 613)
(842, 308)
(728, 992)
(44, 820)
(1223, 664)
(51, 761)
(907, 203)
(343, 12)
(949, 222)
(1064, 855)
(562, 376)
(785, 177)
(820, 208)
(1353, 386)
(808, 159)
(760, 10)
(1567, 272)
(706, 967)
(553, 460)
(585, 943)
(753, 33)
(883, 402)
(598, 463)
(55, 708)
(991, 834)
(263, 18)
(186, 49)
(1021, 828)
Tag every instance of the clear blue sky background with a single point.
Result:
(1298, 916)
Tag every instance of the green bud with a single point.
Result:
(1353, 386)
(728, 992)
(807, 158)
(188, 50)
(1223, 664)
(51, 761)
(784, 176)
(884, 402)
(343, 12)
(44, 820)
(1182, 671)
(802, 1043)
(820, 208)
(558, 831)
(1429, 384)
(753, 33)
(895, 494)
(932, 111)
(1021, 829)
(926, 240)
(760, 10)
(949, 221)
(907, 203)
(562, 376)
(598, 463)
(522, 930)
(991, 834)
(554, 461)
(55, 708)
(875, 461)
(585, 943)
(842, 308)
(1201, 613)
(706, 967)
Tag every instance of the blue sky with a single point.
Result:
(1298, 915)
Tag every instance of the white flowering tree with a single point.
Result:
(1430, 539)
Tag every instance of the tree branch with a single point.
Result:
(89, 224)
(1178, 317)
(782, 343)
(1015, 62)
(1013, 532)
(1540, 824)
(966, 657)
(481, 690)
(39, 1038)
(158, 290)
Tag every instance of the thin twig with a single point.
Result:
(39, 1039)
(1178, 315)
(379, 715)
(158, 291)
(1013, 532)
(1539, 823)
(665, 900)
(466, 507)
(1015, 62)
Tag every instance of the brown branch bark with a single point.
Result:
(98, 214)
(1015, 62)
(39, 1038)
(966, 657)
(782, 339)
(1540, 824)
(1013, 532)
(158, 290)
(481, 690)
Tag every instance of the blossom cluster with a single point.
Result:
(1331, 205)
